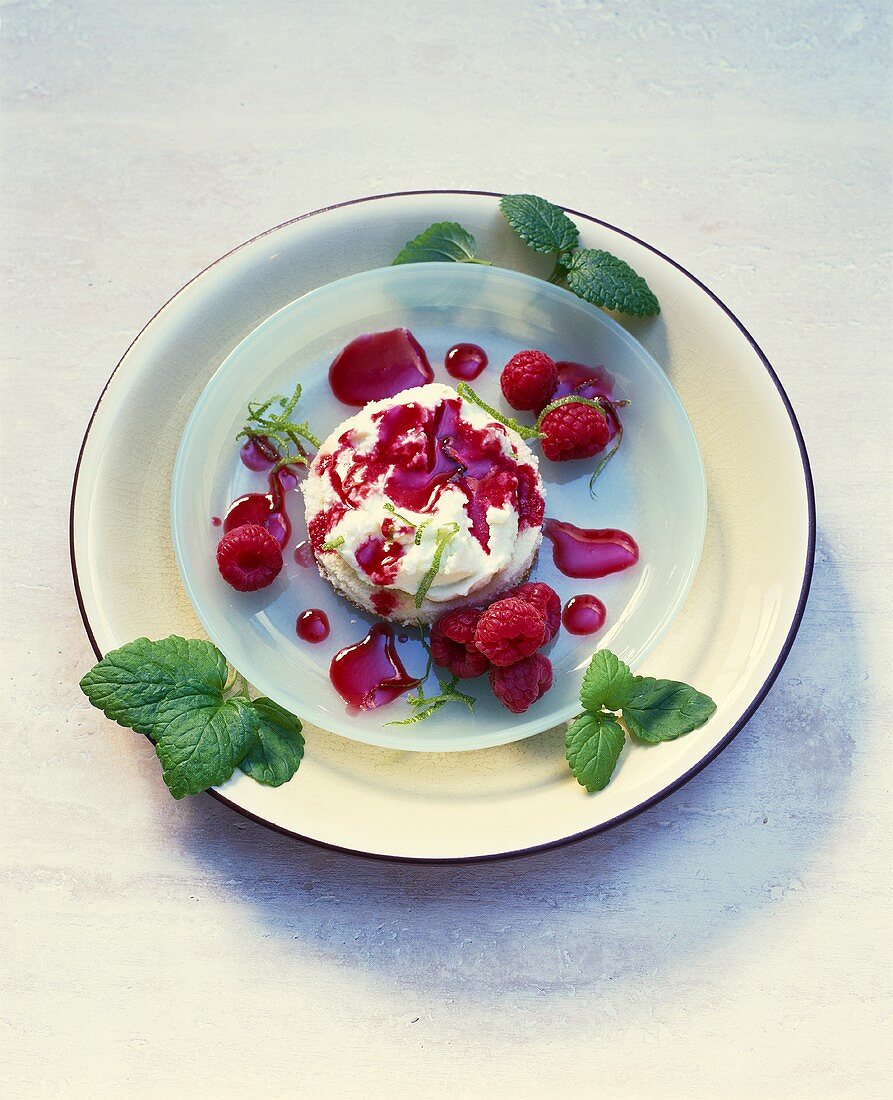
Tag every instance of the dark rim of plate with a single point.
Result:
(670, 788)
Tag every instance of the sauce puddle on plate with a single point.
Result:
(370, 673)
(265, 509)
(581, 552)
(378, 365)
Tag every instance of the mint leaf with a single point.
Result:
(441, 242)
(129, 684)
(594, 743)
(607, 682)
(276, 754)
(605, 280)
(177, 692)
(662, 710)
(540, 224)
(173, 691)
(653, 710)
(200, 737)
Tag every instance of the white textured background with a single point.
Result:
(734, 941)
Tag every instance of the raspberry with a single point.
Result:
(452, 643)
(546, 599)
(249, 558)
(574, 430)
(521, 684)
(528, 380)
(509, 630)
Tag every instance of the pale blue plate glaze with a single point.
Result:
(654, 488)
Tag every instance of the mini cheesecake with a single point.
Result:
(421, 503)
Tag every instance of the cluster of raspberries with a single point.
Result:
(574, 429)
(502, 639)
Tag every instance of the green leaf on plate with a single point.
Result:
(594, 743)
(605, 280)
(662, 710)
(200, 737)
(607, 682)
(540, 224)
(129, 684)
(276, 754)
(442, 242)
(179, 694)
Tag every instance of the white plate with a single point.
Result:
(730, 638)
(654, 488)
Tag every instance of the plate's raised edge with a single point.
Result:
(677, 783)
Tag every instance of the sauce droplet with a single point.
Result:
(579, 552)
(370, 674)
(216, 521)
(583, 615)
(378, 365)
(313, 625)
(304, 555)
(465, 361)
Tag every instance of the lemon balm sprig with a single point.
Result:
(616, 703)
(197, 711)
(592, 274)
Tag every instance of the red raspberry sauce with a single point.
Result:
(465, 361)
(384, 603)
(578, 552)
(265, 509)
(313, 625)
(588, 382)
(428, 449)
(257, 453)
(379, 559)
(370, 674)
(377, 365)
(583, 615)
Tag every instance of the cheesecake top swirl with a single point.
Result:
(423, 474)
